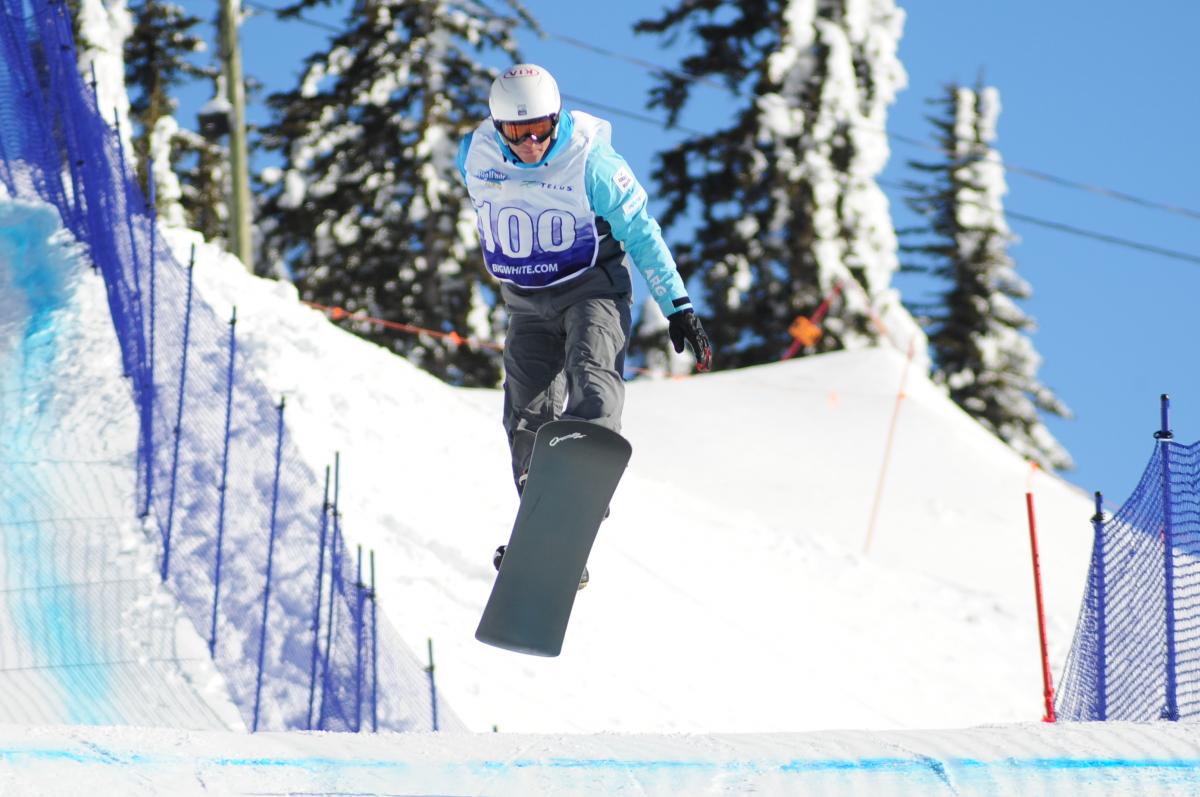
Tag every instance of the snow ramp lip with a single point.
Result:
(1078, 759)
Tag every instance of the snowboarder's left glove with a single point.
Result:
(685, 325)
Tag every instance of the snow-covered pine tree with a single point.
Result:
(781, 202)
(368, 211)
(156, 62)
(981, 350)
(202, 163)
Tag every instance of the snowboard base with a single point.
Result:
(573, 474)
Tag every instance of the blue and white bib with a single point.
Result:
(536, 225)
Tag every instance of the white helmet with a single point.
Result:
(525, 91)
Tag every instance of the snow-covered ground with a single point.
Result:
(736, 620)
(88, 634)
(730, 588)
(1017, 760)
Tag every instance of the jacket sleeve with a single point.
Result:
(617, 197)
(463, 147)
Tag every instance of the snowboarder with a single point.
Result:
(558, 212)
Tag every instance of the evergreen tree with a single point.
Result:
(982, 353)
(368, 211)
(783, 197)
(202, 164)
(156, 62)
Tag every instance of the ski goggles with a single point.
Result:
(540, 129)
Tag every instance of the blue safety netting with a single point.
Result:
(1136, 653)
(251, 539)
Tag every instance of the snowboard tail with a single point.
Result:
(573, 474)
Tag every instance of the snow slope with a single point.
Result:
(731, 596)
(730, 590)
(1016, 761)
(88, 634)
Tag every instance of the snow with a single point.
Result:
(1014, 761)
(736, 613)
(88, 635)
(767, 575)
(722, 540)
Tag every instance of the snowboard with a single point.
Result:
(573, 474)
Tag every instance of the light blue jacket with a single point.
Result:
(623, 210)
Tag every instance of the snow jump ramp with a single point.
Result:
(1025, 760)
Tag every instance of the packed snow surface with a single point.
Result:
(1016, 760)
(772, 563)
(819, 544)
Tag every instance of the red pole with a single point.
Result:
(1041, 612)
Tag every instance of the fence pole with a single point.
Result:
(334, 574)
(1164, 435)
(1047, 683)
(147, 417)
(262, 634)
(374, 653)
(316, 646)
(151, 392)
(152, 213)
(358, 643)
(223, 489)
(887, 449)
(432, 687)
(187, 327)
(1101, 609)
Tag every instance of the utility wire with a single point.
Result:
(640, 117)
(1065, 182)
(1037, 174)
(1121, 196)
(1104, 237)
(630, 59)
(1070, 229)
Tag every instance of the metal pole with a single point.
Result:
(153, 213)
(316, 648)
(239, 205)
(1047, 684)
(212, 637)
(374, 653)
(432, 687)
(1164, 435)
(334, 574)
(1101, 625)
(147, 418)
(358, 642)
(187, 327)
(262, 634)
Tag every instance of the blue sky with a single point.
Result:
(1093, 92)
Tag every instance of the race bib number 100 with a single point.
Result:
(519, 236)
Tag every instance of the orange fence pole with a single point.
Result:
(887, 450)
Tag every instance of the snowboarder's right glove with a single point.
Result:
(684, 325)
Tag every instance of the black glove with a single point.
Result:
(684, 325)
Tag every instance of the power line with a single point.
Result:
(650, 120)
(631, 59)
(1065, 182)
(1103, 237)
(1079, 231)
(1037, 174)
